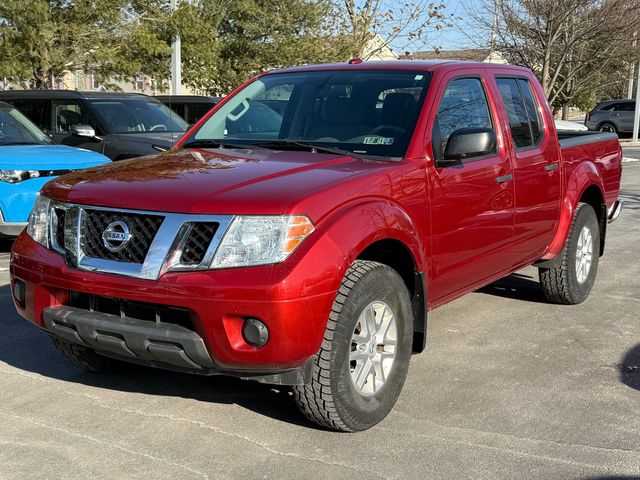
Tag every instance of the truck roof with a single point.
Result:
(412, 65)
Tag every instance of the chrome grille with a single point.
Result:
(143, 229)
(58, 233)
(197, 243)
(157, 242)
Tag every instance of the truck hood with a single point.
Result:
(48, 157)
(209, 181)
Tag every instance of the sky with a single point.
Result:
(456, 37)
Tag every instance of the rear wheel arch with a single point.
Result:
(583, 185)
(593, 196)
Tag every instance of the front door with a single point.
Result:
(65, 114)
(471, 203)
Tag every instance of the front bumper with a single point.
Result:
(293, 299)
(153, 344)
(10, 229)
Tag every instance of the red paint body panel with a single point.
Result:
(462, 228)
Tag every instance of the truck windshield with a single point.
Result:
(137, 116)
(363, 112)
(16, 129)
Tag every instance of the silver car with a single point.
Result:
(612, 116)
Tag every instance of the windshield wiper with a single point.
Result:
(208, 143)
(311, 147)
(5, 144)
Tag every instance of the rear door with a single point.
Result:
(536, 169)
(471, 203)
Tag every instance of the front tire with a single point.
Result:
(85, 357)
(362, 364)
(572, 280)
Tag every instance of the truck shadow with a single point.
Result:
(517, 286)
(614, 477)
(631, 199)
(629, 368)
(5, 245)
(27, 348)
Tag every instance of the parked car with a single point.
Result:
(612, 116)
(119, 125)
(306, 250)
(190, 107)
(569, 125)
(28, 161)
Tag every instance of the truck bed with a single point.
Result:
(601, 148)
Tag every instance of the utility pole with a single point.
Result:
(176, 58)
(636, 117)
(633, 66)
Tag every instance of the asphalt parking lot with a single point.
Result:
(510, 387)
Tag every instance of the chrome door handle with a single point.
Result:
(551, 166)
(504, 178)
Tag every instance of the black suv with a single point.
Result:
(119, 125)
(190, 107)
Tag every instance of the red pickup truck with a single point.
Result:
(300, 232)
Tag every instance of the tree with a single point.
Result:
(42, 40)
(373, 24)
(257, 35)
(223, 41)
(569, 44)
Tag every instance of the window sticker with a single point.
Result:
(375, 140)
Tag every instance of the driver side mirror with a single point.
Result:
(468, 143)
(84, 131)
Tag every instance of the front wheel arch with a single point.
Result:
(397, 255)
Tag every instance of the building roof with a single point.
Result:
(469, 55)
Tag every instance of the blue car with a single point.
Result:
(28, 160)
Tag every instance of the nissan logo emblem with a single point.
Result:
(116, 236)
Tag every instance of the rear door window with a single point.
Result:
(195, 111)
(626, 107)
(533, 109)
(35, 110)
(522, 127)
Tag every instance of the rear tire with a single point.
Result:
(362, 364)
(85, 358)
(572, 280)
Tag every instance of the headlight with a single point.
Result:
(15, 176)
(38, 226)
(261, 240)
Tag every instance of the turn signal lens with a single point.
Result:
(261, 240)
